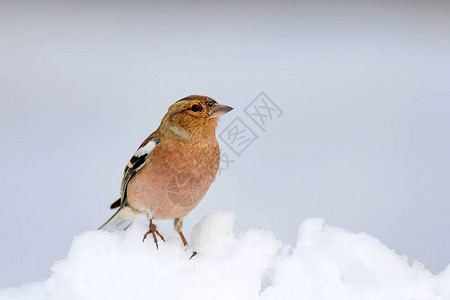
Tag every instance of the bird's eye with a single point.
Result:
(196, 108)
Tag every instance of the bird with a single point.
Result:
(172, 169)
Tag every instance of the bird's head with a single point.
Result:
(193, 117)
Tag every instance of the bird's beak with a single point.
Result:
(219, 110)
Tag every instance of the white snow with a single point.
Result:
(326, 263)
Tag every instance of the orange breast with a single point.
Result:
(175, 179)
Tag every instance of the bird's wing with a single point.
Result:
(136, 163)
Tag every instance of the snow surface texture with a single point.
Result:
(326, 263)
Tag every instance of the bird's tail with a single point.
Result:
(115, 223)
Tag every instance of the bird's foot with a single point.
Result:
(185, 243)
(154, 232)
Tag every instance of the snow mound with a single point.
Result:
(326, 263)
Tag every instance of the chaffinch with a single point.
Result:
(173, 168)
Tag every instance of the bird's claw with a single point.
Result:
(194, 253)
(153, 231)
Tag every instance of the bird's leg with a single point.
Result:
(194, 253)
(152, 230)
(183, 238)
(178, 226)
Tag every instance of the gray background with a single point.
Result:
(363, 141)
